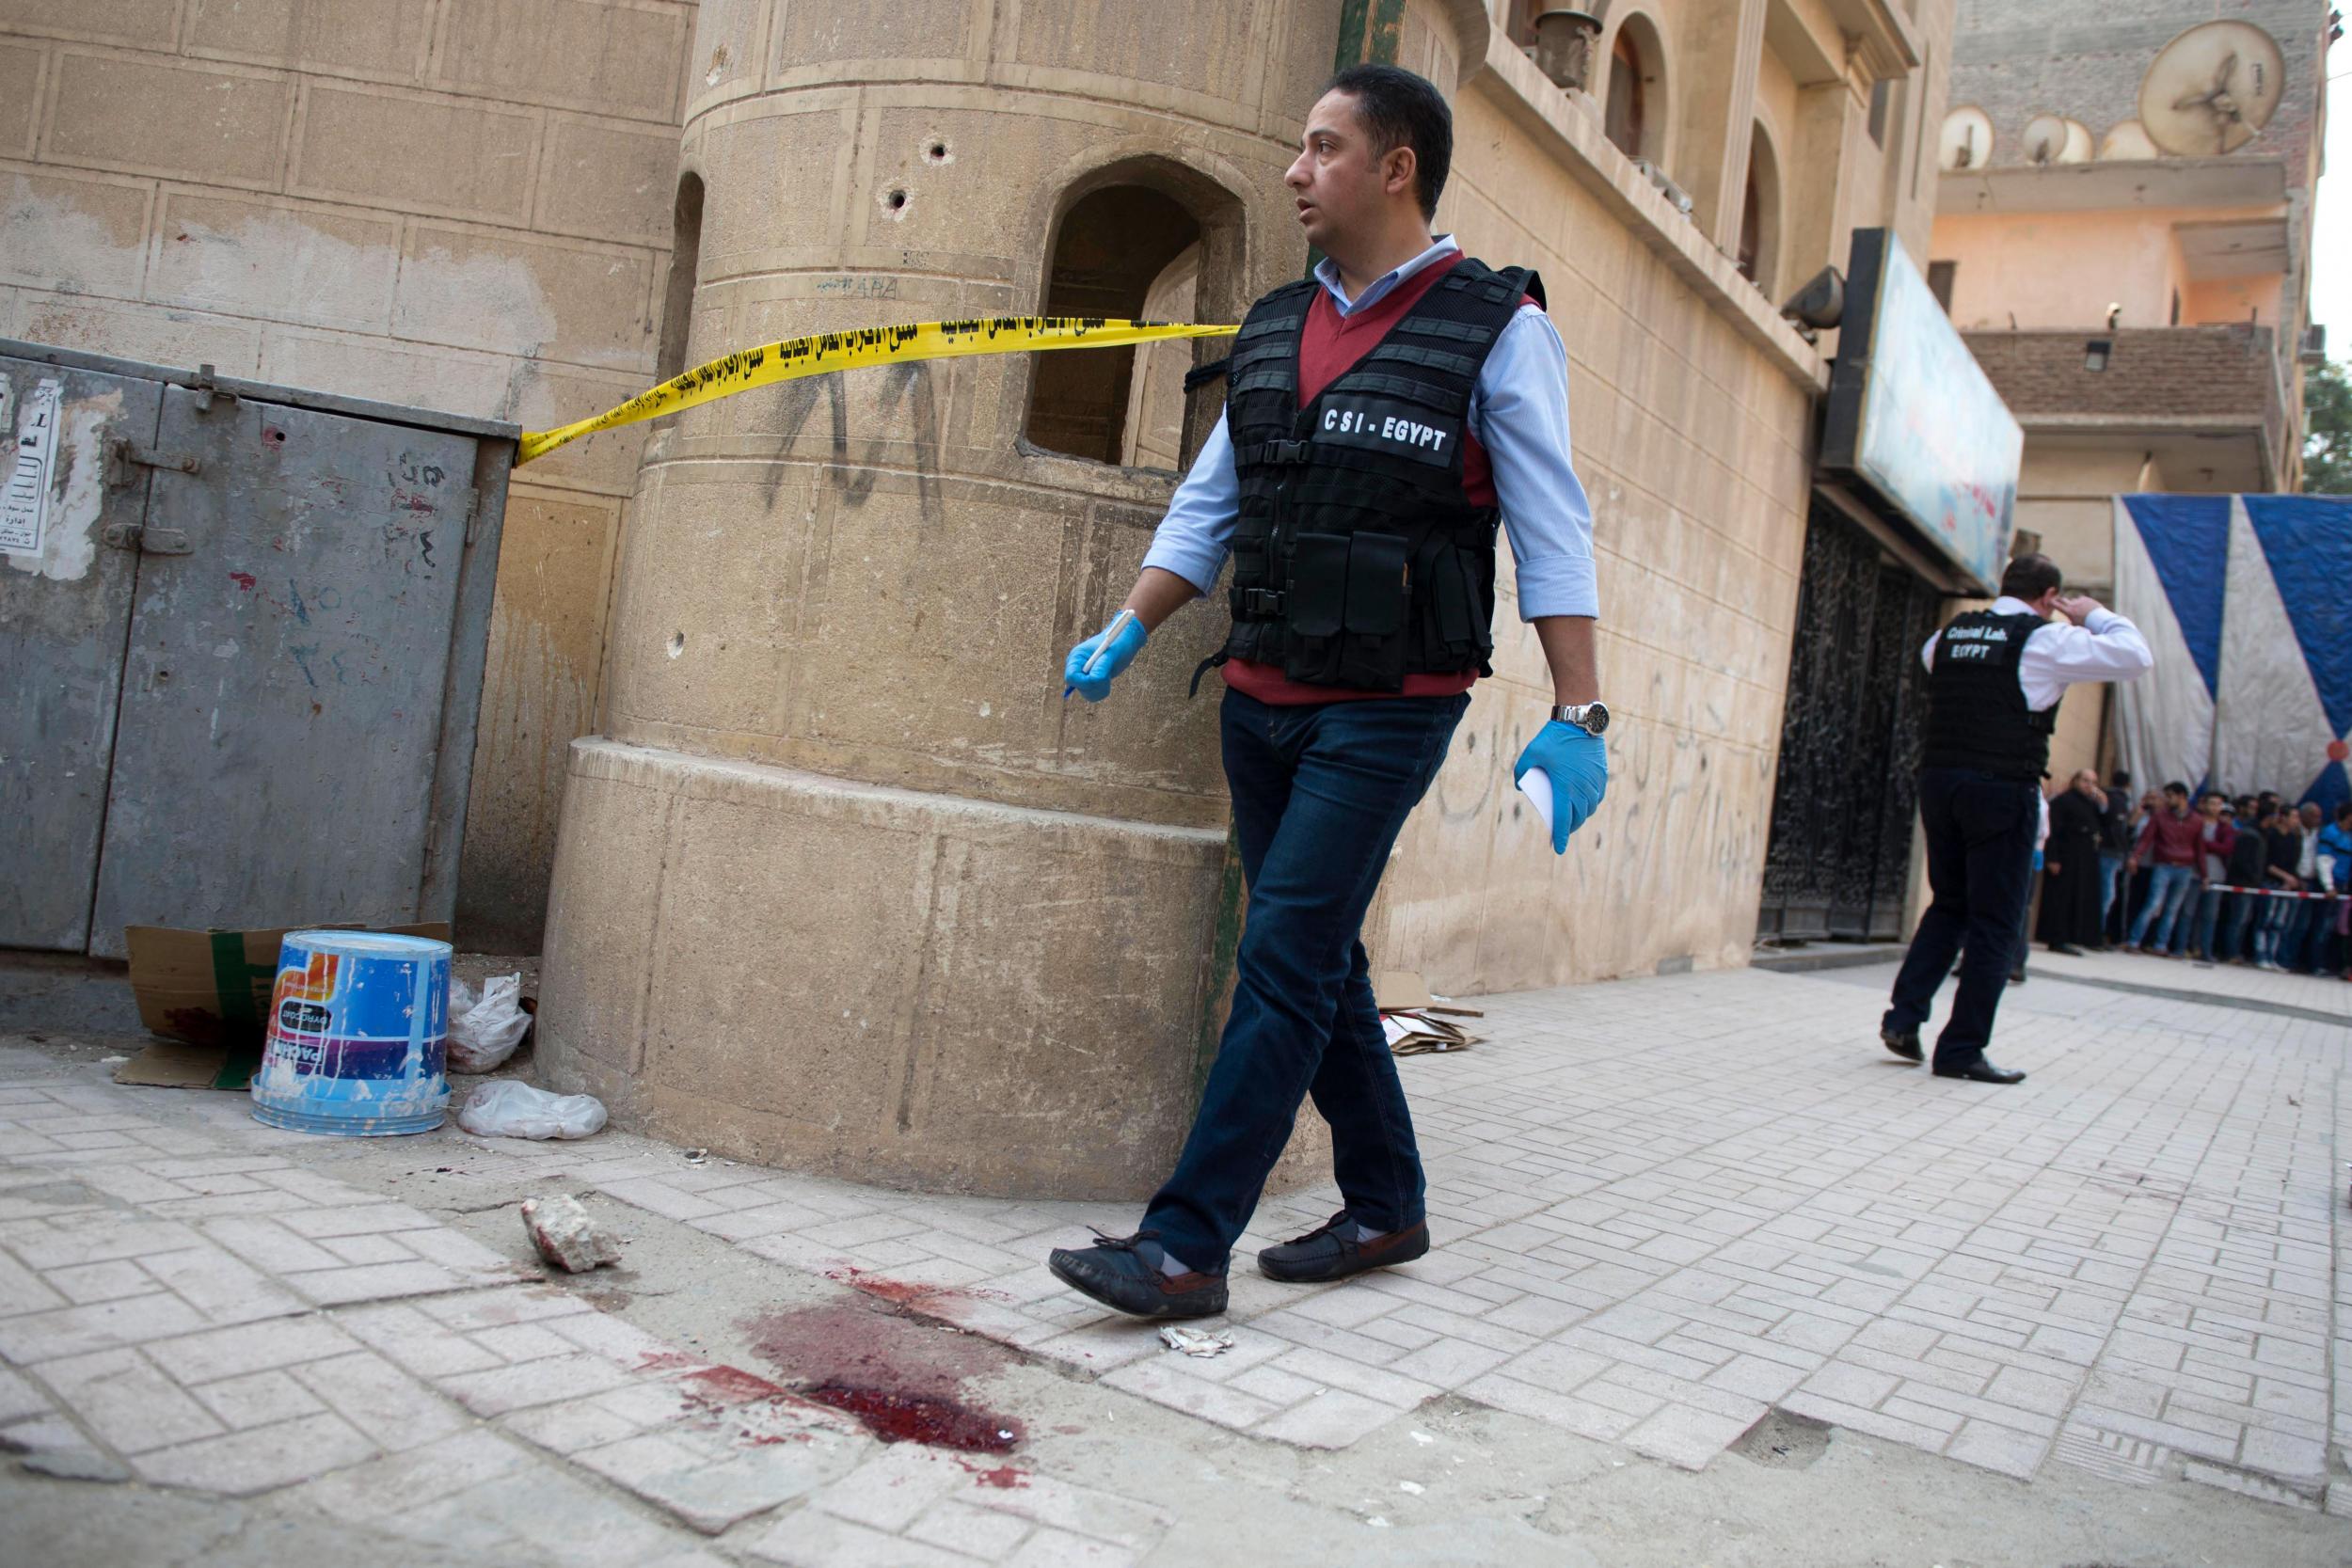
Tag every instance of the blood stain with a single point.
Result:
(882, 1362)
(731, 1385)
(901, 1417)
(1004, 1478)
(244, 579)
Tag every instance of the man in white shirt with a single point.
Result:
(1995, 677)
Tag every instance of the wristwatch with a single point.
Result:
(1591, 717)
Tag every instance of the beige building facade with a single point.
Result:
(840, 881)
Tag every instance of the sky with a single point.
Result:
(2331, 218)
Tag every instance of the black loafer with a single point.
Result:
(1982, 1071)
(1325, 1254)
(1123, 1273)
(1905, 1044)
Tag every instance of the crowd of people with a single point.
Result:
(2206, 878)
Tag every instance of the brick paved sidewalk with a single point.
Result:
(1662, 1208)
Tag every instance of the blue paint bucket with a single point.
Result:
(358, 1022)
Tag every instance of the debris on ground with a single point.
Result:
(697, 1156)
(504, 1108)
(485, 1027)
(566, 1236)
(1197, 1342)
(1417, 1021)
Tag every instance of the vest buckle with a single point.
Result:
(1283, 453)
(1255, 604)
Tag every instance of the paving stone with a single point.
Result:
(40, 1337)
(809, 1539)
(391, 1409)
(373, 1282)
(257, 1399)
(1687, 1438)
(244, 1462)
(712, 1491)
(1331, 1420)
(889, 1491)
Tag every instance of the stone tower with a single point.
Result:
(844, 884)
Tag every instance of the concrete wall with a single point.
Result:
(463, 204)
(2065, 269)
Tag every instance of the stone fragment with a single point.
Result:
(566, 1236)
(77, 1465)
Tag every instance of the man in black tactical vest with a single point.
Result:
(1381, 420)
(1995, 679)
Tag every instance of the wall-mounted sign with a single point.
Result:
(1914, 417)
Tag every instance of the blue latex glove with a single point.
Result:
(1577, 762)
(1124, 648)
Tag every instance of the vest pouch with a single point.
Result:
(1380, 593)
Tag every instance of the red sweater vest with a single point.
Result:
(1329, 347)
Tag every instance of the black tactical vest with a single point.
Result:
(1977, 712)
(1357, 558)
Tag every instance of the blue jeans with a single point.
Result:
(2208, 916)
(1320, 793)
(1980, 835)
(2316, 921)
(2169, 888)
(2278, 917)
(2110, 872)
(2244, 907)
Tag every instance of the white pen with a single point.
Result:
(1110, 635)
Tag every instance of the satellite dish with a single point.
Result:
(2211, 90)
(2045, 138)
(1967, 139)
(2126, 142)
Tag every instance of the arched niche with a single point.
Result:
(1125, 241)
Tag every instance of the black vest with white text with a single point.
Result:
(1977, 713)
(1358, 557)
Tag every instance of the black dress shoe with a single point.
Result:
(2066, 947)
(1124, 1272)
(1904, 1044)
(1327, 1253)
(1982, 1071)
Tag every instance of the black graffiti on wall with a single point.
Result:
(854, 468)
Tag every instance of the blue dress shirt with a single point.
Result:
(1519, 411)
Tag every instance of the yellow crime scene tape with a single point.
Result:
(824, 352)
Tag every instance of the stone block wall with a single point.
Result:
(462, 204)
(1690, 420)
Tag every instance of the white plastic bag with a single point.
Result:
(505, 1108)
(484, 1030)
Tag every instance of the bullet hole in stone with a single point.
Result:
(936, 153)
(678, 643)
(897, 201)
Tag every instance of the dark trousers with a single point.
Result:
(1320, 793)
(1980, 831)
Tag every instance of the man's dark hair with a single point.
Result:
(2029, 576)
(2343, 811)
(1400, 109)
(2176, 787)
(2121, 780)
